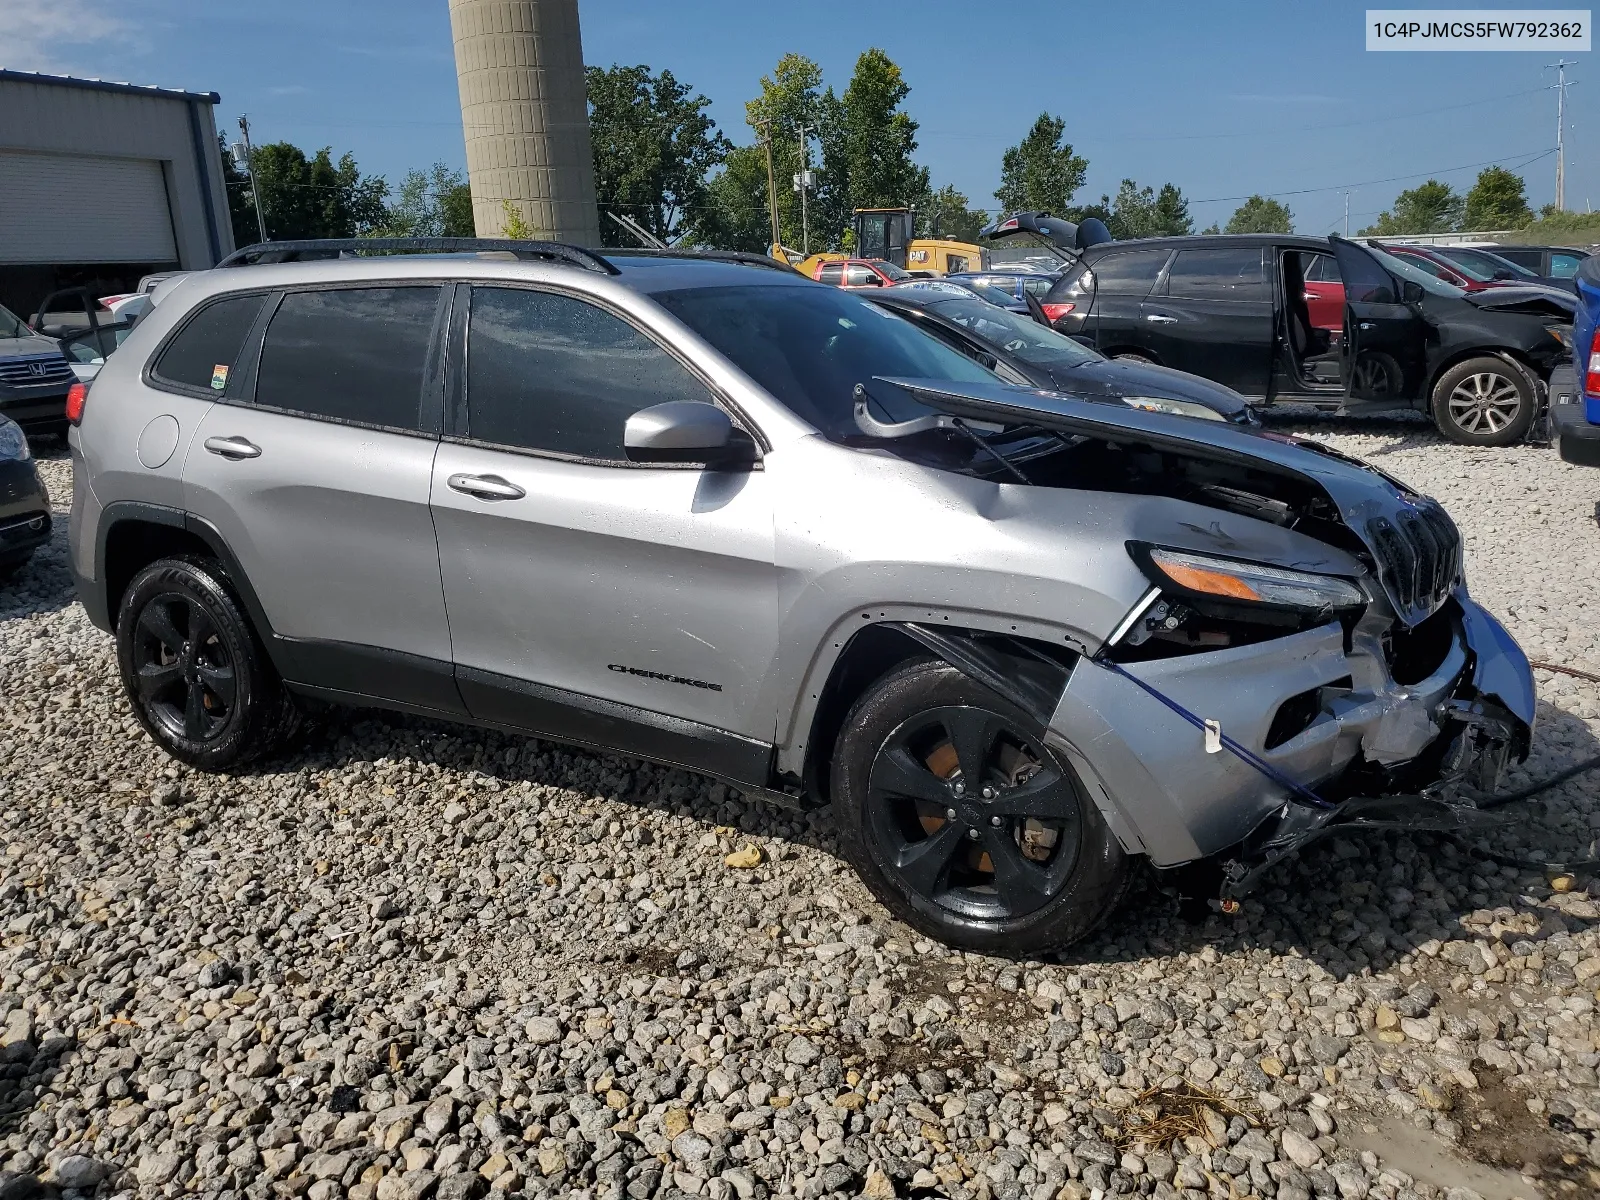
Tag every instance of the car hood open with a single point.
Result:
(1415, 547)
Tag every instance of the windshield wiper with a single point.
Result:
(872, 427)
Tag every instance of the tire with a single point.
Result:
(1059, 877)
(1134, 357)
(1484, 402)
(233, 707)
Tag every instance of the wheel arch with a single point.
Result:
(134, 535)
(1457, 357)
(1025, 670)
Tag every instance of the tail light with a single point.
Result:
(1591, 380)
(1056, 311)
(77, 397)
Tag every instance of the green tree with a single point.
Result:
(1260, 214)
(513, 222)
(1142, 212)
(1431, 207)
(432, 203)
(879, 138)
(316, 197)
(1496, 201)
(1041, 172)
(947, 213)
(789, 99)
(654, 148)
(735, 215)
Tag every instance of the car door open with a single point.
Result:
(584, 589)
(1384, 356)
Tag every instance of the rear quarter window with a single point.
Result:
(1128, 272)
(205, 351)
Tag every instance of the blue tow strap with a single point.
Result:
(1299, 791)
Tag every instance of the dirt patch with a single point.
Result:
(1498, 1130)
(1428, 1158)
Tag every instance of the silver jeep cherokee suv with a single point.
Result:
(712, 514)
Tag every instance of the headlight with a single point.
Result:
(1250, 583)
(1180, 408)
(13, 445)
(1561, 333)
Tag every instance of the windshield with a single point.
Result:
(810, 346)
(1430, 283)
(11, 325)
(1484, 266)
(990, 294)
(889, 271)
(1015, 333)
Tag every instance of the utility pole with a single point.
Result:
(250, 165)
(1561, 85)
(805, 183)
(772, 188)
(1347, 214)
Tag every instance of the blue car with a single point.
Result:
(1577, 424)
(1015, 284)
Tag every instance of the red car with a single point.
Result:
(1325, 293)
(1467, 278)
(860, 273)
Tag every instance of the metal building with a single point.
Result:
(101, 183)
(525, 114)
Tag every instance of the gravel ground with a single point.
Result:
(412, 960)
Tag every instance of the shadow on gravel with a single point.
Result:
(1348, 903)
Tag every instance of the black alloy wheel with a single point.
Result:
(193, 669)
(964, 823)
(183, 670)
(972, 814)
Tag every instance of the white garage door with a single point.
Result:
(55, 208)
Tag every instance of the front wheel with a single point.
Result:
(193, 670)
(964, 824)
(1484, 402)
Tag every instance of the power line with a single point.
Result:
(1335, 187)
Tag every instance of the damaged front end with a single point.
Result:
(1254, 701)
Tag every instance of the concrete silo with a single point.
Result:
(525, 113)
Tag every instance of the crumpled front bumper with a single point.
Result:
(1176, 796)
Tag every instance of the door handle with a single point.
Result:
(1160, 319)
(486, 487)
(233, 447)
(1366, 325)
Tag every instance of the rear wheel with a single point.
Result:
(964, 823)
(1484, 402)
(194, 672)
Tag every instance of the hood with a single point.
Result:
(1115, 379)
(1535, 301)
(28, 347)
(1413, 546)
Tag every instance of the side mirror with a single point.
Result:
(1503, 275)
(1411, 292)
(685, 431)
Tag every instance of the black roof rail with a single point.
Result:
(737, 256)
(314, 249)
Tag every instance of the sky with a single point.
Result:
(1221, 98)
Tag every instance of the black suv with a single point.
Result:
(1238, 309)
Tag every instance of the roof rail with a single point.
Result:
(737, 256)
(313, 249)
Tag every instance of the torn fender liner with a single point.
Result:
(1012, 668)
(1500, 669)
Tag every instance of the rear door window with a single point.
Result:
(1229, 273)
(555, 374)
(206, 349)
(1563, 265)
(831, 273)
(356, 355)
(1128, 273)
